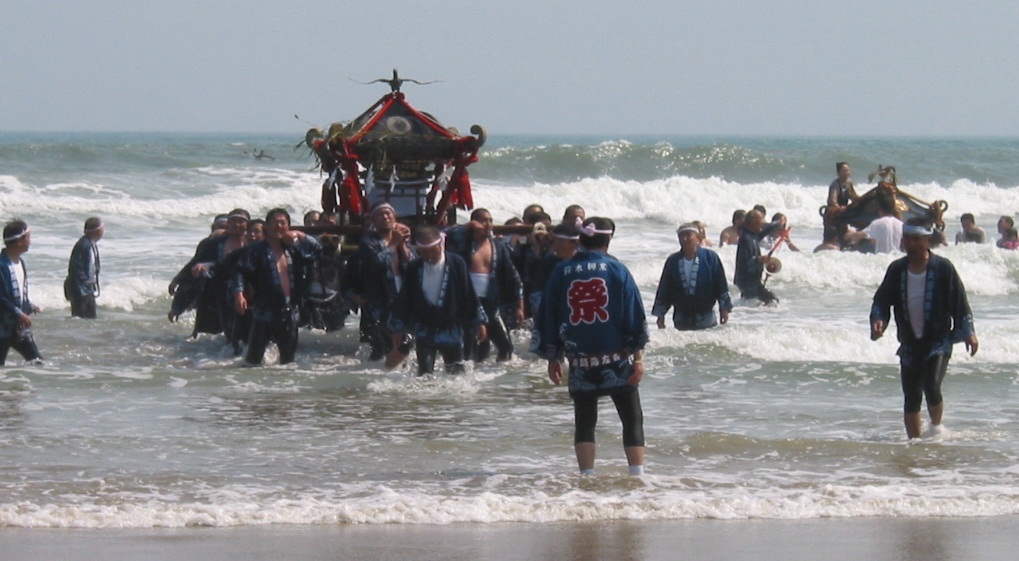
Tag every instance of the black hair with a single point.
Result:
(93, 223)
(566, 230)
(597, 241)
(886, 202)
(14, 228)
(531, 209)
(276, 212)
(571, 209)
(426, 233)
(219, 218)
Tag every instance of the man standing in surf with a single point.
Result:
(437, 303)
(81, 287)
(496, 282)
(276, 269)
(931, 314)
(692, 281)
(374, 273)
(15, 307)
(592, 315)
(750, 264)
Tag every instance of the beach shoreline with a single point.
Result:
(872, 539)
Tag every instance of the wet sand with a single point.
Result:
(871, 539)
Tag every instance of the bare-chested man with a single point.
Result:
(495, 279)
(275, 268)
(730, 235)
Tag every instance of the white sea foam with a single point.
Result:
(713, 199)
(223, 189)
(609, 497)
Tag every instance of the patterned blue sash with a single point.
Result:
(20, 296)
(689, 284)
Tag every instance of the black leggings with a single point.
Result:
(24, 344)
(585, 407)
(283, 332)
(922, 378)
(452, 356)
(375, 333)
(498, 335)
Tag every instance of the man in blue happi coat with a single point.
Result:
(592, 315)
(81, 287)
(693, 280)
(750, 263)
(15, 307)
(931, 314)
(275, 268)
(374, 274)
(437, 304)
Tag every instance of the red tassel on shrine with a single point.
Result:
(350, 194)
(460, 185)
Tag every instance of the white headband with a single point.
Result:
(383, 206)
(17, 236)
(687, 228)
(916, 230)
(565, 237)
(437, 241)
(590, 230)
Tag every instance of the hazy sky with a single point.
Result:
(516, 66)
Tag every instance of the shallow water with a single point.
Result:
(787, 412)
